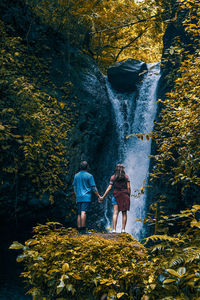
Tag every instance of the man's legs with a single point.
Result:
(79, 215)
(82, 215)
(83, 218)
(79, 221)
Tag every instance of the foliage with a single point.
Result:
(35, 119)
(61, 263)
(176, 259)
(156, 216)
(107, 30)
(177, 133)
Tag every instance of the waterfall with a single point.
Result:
(136, 114)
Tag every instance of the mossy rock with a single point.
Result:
(60, 263)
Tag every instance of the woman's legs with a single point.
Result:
(124, 220)
(115, 215)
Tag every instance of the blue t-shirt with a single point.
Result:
(83, 184)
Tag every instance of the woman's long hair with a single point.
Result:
(119, 172)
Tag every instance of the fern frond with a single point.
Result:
(193, 255)
(159, 247)
(195, 208)
(163, 237)
(176, 260)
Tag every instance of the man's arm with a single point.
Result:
(93, 186)
(74, 186)
(94, 189)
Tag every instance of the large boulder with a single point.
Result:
(124, 76)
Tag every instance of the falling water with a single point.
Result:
(136, 114)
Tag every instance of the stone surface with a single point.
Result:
(124, 76)
(93, 137)
(175, 36)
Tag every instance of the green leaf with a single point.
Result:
(60, 287)
(111, 293)
(21, 257)
(16, 245)
(70, 288)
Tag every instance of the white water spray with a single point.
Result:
(134, 153)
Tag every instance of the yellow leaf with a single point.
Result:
(194, 223)
(195, 207)
(20, 258)
(16, 245)
(31, 242)
(53, 271)
(51, 199)
(76, 276)
(173, 272)
(145, 297)
(62, 105)
(65, 267)
(119, 295)
(152, 286)
(111, 293)
(34, 291)
(2, 127)
(169, 280)
(151, 278)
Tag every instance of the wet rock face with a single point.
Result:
(124, 76)
(94, 135)
(175, 36)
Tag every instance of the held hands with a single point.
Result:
(100, 199)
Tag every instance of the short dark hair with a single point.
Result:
(84, 165)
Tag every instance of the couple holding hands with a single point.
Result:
(84, 185)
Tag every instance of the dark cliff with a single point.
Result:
(92, 136)
(71, 77)
(178, 45)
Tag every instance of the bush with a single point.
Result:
(61, 263)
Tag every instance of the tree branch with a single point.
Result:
(126, 46)
(126, 25)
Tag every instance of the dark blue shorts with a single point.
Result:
(83, 206)
(114, 201)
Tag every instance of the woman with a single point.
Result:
(121, 195)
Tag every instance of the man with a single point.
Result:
(84, 185)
